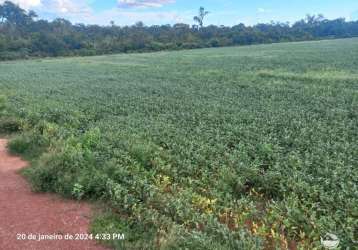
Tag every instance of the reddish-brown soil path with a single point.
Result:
(25, 212)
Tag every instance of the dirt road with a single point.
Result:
(24, 214)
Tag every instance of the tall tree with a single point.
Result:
(200, 17)
(13, 14)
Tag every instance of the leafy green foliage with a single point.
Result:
(200, 17)
(22, 36)
(2, 104)
(231, 148)
(8, 124)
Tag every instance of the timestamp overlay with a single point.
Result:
(69, 237)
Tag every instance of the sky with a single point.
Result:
(222, 12)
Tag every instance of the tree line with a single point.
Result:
(23, 35)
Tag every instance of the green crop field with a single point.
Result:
(233, 148)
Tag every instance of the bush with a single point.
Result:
(2, 104)
(12, 55)
(20, 144)
(68, 166)
(10, 125)
(29, 144)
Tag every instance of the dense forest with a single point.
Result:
(23, 35)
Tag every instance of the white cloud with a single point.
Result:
(26, 4)
(65, 6)
(79, 11)
(53, 6)
(143, 3)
